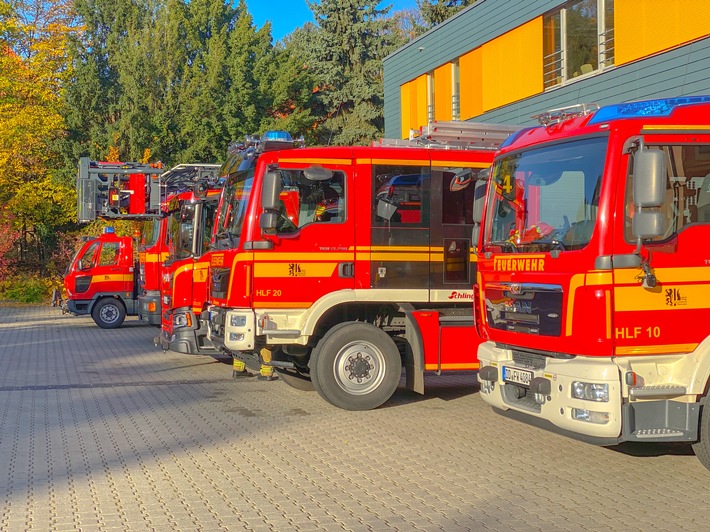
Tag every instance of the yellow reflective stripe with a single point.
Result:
(291, 270)
(639, 350)
(112, 277)
(310, 161)
(460, 366)
(635, 298)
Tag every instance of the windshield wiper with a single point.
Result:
(507, 245)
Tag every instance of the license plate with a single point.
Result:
(517, 376)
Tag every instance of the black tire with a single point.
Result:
(356, 366)
(295, 379)
(702, 447)
(109, 313)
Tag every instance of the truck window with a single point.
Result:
(304, 201)
(87, 259)
(687, 189)
(457, 195)
(400, 195)
(109, 254)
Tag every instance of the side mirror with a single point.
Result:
(649, 178)
(647, 224)
(268, 221)
(271, 190)
(649, 193)
(80, 264)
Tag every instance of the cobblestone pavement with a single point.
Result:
(100, 431)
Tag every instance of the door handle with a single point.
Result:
(346, 270)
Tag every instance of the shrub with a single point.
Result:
(26, 289)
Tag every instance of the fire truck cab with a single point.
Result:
(101, 281)
(184, 277)
(593, 276)
(338, 271)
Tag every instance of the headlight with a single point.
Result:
(182, 320)
(590, 391)
(237, 321)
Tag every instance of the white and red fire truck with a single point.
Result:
(594, 277)
(341, 265)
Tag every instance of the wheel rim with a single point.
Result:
(109, 314)
(359, 368)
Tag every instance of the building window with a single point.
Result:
(577, 41)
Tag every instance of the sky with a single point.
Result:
(287, 15)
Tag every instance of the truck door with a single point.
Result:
(314, 252)
(660, 318)
(113, 269)
(400, 226)
(453, 265)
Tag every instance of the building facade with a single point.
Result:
(503, 61)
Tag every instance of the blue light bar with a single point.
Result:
(278, 135)
(648, 108)
(109, 230)
(515, 136)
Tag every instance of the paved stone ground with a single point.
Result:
(100, 431)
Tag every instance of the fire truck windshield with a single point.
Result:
(233, 205)
(545, 198)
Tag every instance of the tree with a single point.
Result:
(204, 113)
(434, 12)
(250, 51)
(346, 59)
(288, 85)
(33, 70)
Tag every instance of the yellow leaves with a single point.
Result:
(32, 68)
(43, 202)
(113, 156)
(146, 156)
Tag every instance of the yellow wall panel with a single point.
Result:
(443, 82)
(512, 65)
(645, 28)
(471, 85)
(405, 108)
(421, 105)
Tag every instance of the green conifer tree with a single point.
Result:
(346, 59)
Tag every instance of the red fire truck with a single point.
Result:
(592, 278)
(101, 279)
(178, 185)
(101, 282)
(184, 277)
(184, 283)
(337, 270)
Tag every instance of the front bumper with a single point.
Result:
(547, 400)
(187, 333)
(77, 307)
(150, 308)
